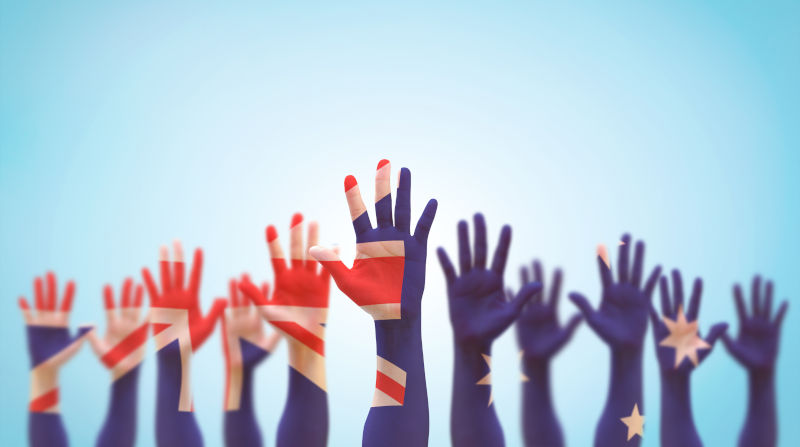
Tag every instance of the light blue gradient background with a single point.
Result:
(123, 127)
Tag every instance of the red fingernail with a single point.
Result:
(296, 219)
(382, 163)
(349, 183)
(272, 233)
(23, 304)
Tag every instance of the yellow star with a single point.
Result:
(635, 423)
(683, 337)
(487, 379)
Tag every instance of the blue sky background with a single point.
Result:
(124, 126)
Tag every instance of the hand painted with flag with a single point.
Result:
(298, 309)
(679, 346)
(50, 346)
(388, 275)
(245, 344)
(679, 349)
(387, 280)
(179, 329)
(121, 350)
(479, 312)
(621, 322)
(539, 333)
(123, 346)
(480, 309)
(756, 349)
(541, 336)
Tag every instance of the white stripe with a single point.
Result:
(380, 249)
(391, 370)
(178, 319)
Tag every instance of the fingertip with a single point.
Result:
(381, 164)
(296, 219)
(625, 239)
(272, 233)
(178, 249)
(349, 183)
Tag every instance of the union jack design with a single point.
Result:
(375, 281)
(49, 342)
(170, 325)
(390, 384)
(175, 313)
(123, 347)
(298, 308)
(241, 322)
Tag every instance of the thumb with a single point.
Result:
(331, 262)
(206, 325)
(716, 332)
(74, 344)
(565, 334)
(98, 344)
(524, 295)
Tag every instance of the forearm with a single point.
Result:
(175, 421)
(677, 422)
(45, 427)
(241, 426)
(473, 421)
(539, 421)
(305, 414)
(119, 429)
(625, 392)
(399, 413)
(761, 426)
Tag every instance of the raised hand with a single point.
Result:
(245, 344)
(621, 321)
(679, 349)
(387, 280)
(541, 336)
(756, 348)
(479, 309)
(50, 346)
(123, 347)
(298, 309)
(479, 313)
(179, 329)
(121, 350)
(388, 274)
(539, 333)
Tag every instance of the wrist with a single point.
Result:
(536, 368)
(627, 351)
(472, 347)
(44, 395)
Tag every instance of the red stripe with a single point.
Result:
(159, 327)
(128, 344)
(45, 401)
(387, 272)
(302, 335)
(390, 387)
